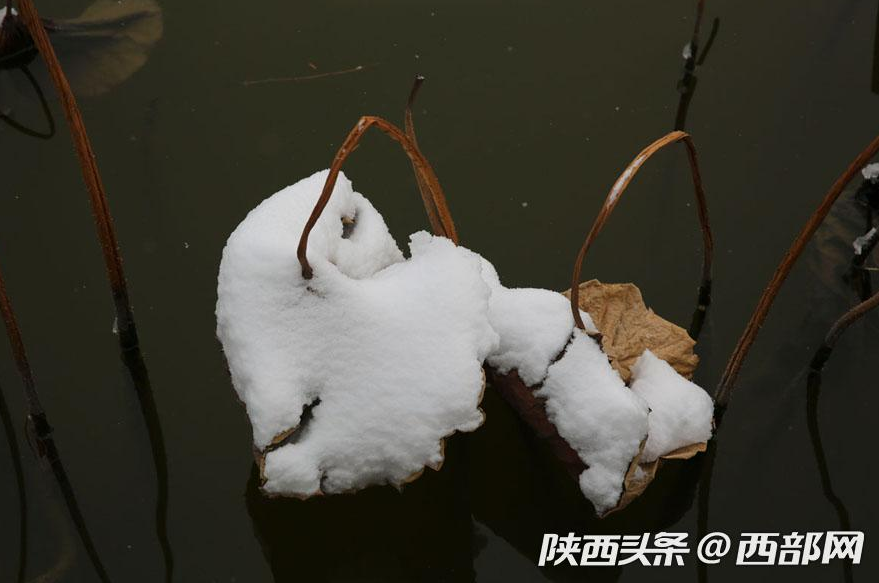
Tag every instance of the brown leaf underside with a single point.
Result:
(628, 328)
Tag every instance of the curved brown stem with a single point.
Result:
(613, 199)
(419, 163)
(426, 194)
(91, 176)
(730, 375)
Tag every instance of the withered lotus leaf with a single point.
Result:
(628, 328)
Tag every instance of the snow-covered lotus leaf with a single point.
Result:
(355, 376)
(608, 435)
(656, 358)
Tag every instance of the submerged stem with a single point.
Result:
(839, 327)
(91, 176)
(730, 375)
(813, 392)
(136, 366)
(39, 427)
(15, 454)
(613, 199)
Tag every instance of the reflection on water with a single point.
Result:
(424, 533)
(107, 43)
(21, 488)
(99, 50)
(20, 127)
(140, 378)
(813, 393)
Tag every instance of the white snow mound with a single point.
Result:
(384, 353)
(681, 412)
(534, 326)
(598, 415)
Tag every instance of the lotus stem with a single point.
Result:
(839, 327)
(613, 199)
(91, 176)
(737, 359)
(426, 195)
(419, 163)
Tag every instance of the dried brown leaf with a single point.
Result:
(641, 475)
(628, 328)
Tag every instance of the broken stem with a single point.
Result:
(419, 163)
(91, 176)
(613, 199)
(356, 69)
(690, 63)
(730, 375)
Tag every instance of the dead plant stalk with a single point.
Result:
(91, 176)
(613, 198)
(733, 367)
(423, 171)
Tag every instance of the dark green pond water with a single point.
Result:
(530, 111)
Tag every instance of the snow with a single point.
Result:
(871, 172)
(599, 417)
(687, 52)
(355, 377)
(534, 326)
(384, 353)
(861, 242)
(680, 412)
